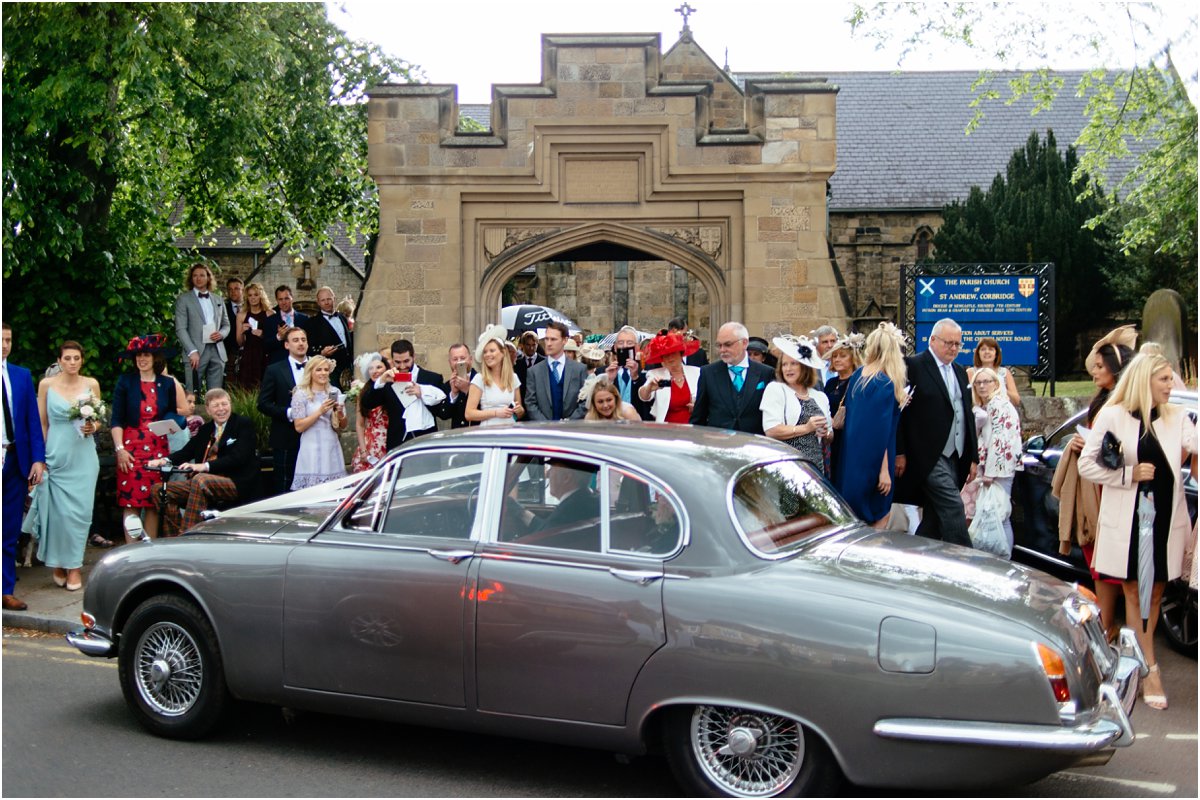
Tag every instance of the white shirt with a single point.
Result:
(292, 364)
(336, 323)
(562, 365)
(7, 391)
(206, 308)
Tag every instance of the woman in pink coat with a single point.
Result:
(1154, 436)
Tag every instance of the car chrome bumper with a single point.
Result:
(1108, 727)
(92, 643)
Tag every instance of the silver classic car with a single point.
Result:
(636, 587)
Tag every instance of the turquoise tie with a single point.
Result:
(738, 378)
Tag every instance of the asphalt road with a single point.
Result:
(67, 733)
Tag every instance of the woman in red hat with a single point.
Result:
(143, 396)
(673, 385)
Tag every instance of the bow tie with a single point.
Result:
(204, 295)
(299, 364)
(328, 316)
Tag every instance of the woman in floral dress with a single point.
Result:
(371, 429)
(999, 437)
(143, 396)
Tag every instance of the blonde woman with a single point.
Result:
(844, 357)
(873, 401)
(494, 397)
(1153, 436)
(319, 415)
(603, 401)
(250, 324)
(999, 436)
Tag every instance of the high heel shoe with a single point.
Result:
(1156, 701)
(74, 586)
(59, 580)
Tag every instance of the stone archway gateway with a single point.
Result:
(621, 146)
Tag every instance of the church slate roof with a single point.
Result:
(901, 136)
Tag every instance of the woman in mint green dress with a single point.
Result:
(61, 513)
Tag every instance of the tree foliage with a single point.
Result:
(1154, 208)
(1031, 213)
(126, 124)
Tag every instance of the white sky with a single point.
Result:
(475, 43)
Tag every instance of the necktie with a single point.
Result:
(204, 295)
(738, 378)
(8, 423)
(554, 369)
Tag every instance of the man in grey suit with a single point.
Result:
(552, 386)
(201, 323)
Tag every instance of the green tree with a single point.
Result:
(1155, 202)
(119, 115)
(1034, 212)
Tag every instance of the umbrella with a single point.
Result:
(606, 342)
(519, 319)
(1145, 565)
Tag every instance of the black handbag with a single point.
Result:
(1110, 454)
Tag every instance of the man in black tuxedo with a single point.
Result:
(529, 356)
(730, 390)
(454, 407)
(233, 304)
(277, 325)
(385, 392)
(935, 443)
(221, 458)
(275, 400)
(329, 335)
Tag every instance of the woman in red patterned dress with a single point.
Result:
(141, 397)
(371, 429)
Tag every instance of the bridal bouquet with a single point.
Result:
(87, 408)
(351, 395)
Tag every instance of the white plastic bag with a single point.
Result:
(992, 507)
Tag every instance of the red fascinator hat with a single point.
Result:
(666, 343)
(154, 343)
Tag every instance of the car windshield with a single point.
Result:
(780, 505)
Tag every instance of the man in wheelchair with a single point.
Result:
(220, 463)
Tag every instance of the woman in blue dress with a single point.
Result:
(873, 400)
(61, 512)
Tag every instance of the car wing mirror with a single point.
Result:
(1035, 445)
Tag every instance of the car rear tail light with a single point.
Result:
(89, 621)
(1056, 673)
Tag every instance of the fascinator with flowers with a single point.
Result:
(898, 335)
(854, 342)
(589, 387)
(492, 333)
(799, 348)
(666, 343)
(153, 343)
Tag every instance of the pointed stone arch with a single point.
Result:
(547, 245)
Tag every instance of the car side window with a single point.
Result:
(641, 517)
(368, 509)
(436, 493)
(551, 502)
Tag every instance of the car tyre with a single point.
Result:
(723, 751)
(1177, 617)
(169, 666)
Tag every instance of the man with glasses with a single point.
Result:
(935, 444)
(730, 389)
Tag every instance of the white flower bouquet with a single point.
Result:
(87, 408)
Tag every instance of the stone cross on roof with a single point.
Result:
(686, 11)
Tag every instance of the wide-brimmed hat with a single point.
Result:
(799, 348)
(571, 346)
(666, 343)
(1124, 336)
(153, 343)
(591, 352)
(758, 345)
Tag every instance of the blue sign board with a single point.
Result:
(1002, 307)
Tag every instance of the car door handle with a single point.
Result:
(638, 576)
(453, 556)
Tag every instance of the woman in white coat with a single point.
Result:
(794, 411)
(670, 389)
(1153, 435)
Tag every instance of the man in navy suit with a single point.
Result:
(24, 457)
(730, 390)
(383, 393)
(277, 325)
(329, 335)
(936, 451)
(275, 400)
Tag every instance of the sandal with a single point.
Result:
(96, 540)
(1156, 701)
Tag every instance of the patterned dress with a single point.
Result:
(319, 458)
(374, 444)
(135, 489)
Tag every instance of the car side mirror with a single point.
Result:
(1036, 445)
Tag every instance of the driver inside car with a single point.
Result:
(569, 483)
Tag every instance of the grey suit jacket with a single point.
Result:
(539, 403)
(189, 322)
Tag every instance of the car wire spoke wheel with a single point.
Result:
(168, 669)
(747, 753)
